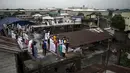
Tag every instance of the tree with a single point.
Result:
(118, 22)
(59, 11)
(80, 14)
(7, 9)
(110, 13)
(7, 14)
(32, 13)
(18, 13)
(125, 61)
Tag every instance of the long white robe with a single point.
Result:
(46, 36)
(25, 36)
(52, 46)
(13, 35)
(63, 48)
(29, 46)
(60, 41)
(20, 42)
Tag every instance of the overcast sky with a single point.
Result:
(64, 3)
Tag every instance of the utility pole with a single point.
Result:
(107, 56)
(98, 21)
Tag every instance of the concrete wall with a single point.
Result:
(7, 63)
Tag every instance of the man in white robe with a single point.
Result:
(30, 46)
(20, 42)
(13, 35)
(52, 46)
(46, 36)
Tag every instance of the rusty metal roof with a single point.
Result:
(84, 37)
(9, 45)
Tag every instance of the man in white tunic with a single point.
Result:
(13, 35)
(20, 42)
(52, 46)
(30, 46)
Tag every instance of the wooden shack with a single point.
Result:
(9, 51)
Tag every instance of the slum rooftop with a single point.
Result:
(9, 45)
(85, 37)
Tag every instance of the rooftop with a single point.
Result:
(9, 45)
(84, 37)
(87, 10)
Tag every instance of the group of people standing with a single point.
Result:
(21, 34)
(55, 44)
(49, 43)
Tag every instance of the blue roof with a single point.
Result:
(8, 20)
(23, 22)
(14, 20)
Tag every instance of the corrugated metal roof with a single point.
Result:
(14, 20)
(9, 45)
(84, 37)
(8, 20)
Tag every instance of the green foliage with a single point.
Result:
(110, 13)
(18, 13)
(118, 22)
(32, 13)
(80, 14)
(7, 14)
(124, 60)
(59, 11)
(53, 14)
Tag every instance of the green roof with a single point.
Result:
(53, 13)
